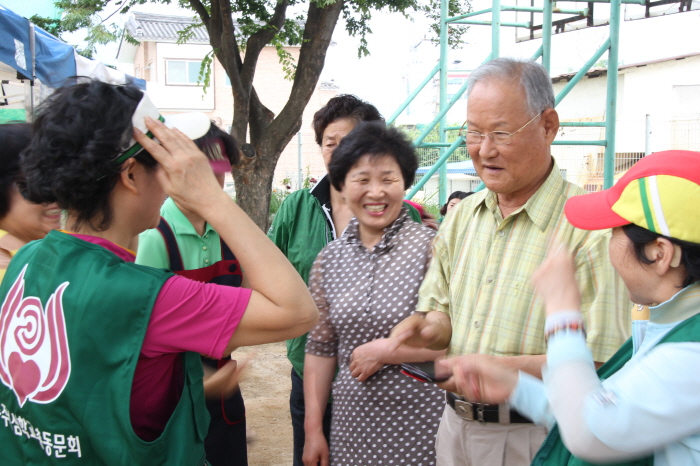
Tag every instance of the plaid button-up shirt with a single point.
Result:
(481, 269)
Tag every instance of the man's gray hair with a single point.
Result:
(534, 79)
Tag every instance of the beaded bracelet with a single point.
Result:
(569, 325)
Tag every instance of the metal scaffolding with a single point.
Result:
(565, 17)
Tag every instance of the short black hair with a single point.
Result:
(372, 138)
(690, 252)
(343, 106)
(454, 195)
(206, 144)
(14, 137)
(78, 133)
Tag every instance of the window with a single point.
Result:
(182, 71)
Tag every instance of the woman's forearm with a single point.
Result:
(318, 376)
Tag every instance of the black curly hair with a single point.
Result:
(79, 131)
(14, 137)
(372, 138)
(343, 106)
(207, 144)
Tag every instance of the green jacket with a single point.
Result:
(302, 227)
(554, 453)
(73, 321)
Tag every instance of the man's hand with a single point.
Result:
(224, 381)
(555, 280)
(480, 378)
(431, 330)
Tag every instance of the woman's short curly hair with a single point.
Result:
(372, 138)
(79, 132)
(343, 106)
(14, 137)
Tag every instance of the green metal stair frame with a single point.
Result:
(611, 46)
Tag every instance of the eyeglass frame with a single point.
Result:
(464, 134)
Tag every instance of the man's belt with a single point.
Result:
(483, 412)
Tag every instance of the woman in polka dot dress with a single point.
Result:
(365, 283)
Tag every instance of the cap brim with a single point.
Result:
(193, 125)
(593, 212)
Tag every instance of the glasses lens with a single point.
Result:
(474, 137)
(501, 139)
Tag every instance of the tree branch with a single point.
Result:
(318, 32)
(201, 11)
(257, 41)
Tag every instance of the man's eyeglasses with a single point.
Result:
(500, 138)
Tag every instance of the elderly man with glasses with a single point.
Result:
(477, 298)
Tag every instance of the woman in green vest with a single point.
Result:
(99, 356)
(642, 406)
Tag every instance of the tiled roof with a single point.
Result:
(328, 86)
(151, 27)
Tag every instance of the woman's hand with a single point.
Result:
(555, 280)
(480, 378)
(315, 450)
(367, 359)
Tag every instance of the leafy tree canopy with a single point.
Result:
(238, 31)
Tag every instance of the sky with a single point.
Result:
(401, 56)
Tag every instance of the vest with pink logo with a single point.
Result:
(72, 323)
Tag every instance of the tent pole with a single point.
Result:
(32, 51)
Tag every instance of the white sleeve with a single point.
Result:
(647, 404)
(530, 399)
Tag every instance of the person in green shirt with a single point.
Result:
(186, 244)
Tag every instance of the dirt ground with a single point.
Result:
(265, 389)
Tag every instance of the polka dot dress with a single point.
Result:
(390, 418)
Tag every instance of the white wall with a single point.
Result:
(664, 90)
(173, 97)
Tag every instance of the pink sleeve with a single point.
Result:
(194, 316)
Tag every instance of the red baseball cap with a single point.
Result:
(661, 193)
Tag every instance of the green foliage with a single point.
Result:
(276, 200)
(455, 33)
(204, 76)
(250, 15)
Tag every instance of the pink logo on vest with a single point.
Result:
(34, 357)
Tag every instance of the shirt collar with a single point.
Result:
(180, 222)
(352, 232)
(322, 191)
(681, 306)
(123, 253)
(539, 208)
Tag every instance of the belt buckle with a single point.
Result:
(465, 410)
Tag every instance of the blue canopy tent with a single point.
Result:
(36, 54)
(465, 168)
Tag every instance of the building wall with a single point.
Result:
(668, 91)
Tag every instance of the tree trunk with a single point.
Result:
(253, 179)
(253, 176)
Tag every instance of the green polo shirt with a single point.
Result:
(197, 251)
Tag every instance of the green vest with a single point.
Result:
(71, 328)
(554, 453)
